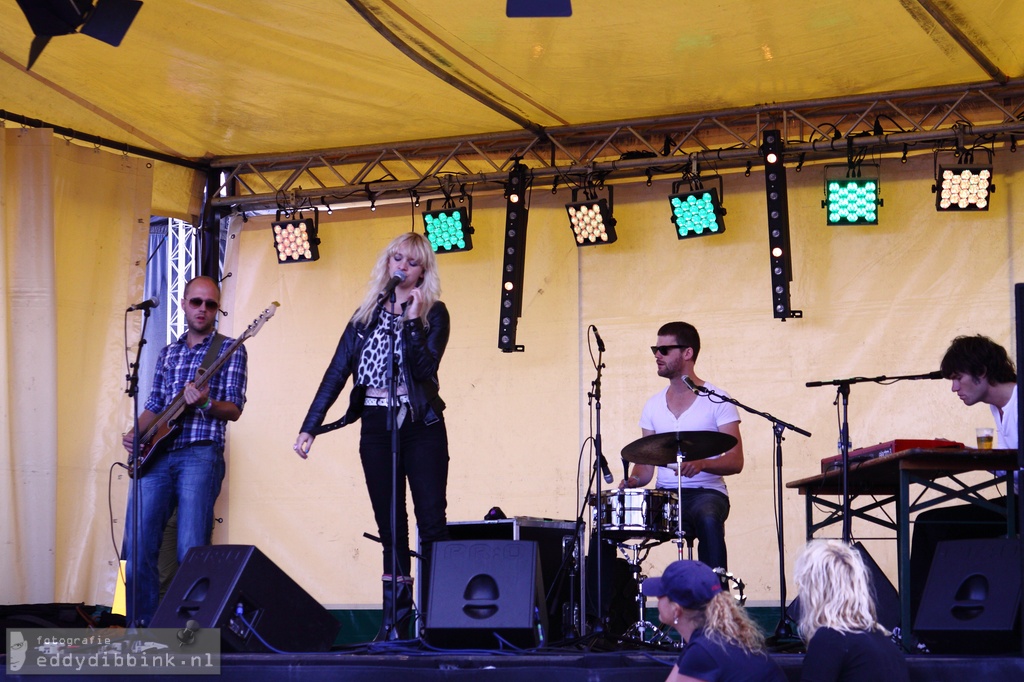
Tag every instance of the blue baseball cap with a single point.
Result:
(690, 584)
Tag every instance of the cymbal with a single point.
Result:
(661, 448)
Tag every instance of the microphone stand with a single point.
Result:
(843, 394)
(595, 397)
(393, 426)
(136, 491)
(783, 630)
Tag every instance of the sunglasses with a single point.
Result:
(199, 302)
(663, 349)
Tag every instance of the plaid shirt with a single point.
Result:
(176, 366)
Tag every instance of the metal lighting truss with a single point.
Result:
(951, 117)
(181, 260)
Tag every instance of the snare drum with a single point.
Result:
(637, 512)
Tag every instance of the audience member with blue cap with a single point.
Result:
(722, 643)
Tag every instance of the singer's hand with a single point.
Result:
(415, 300)
(302, 444)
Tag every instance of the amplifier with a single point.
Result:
(887, 448)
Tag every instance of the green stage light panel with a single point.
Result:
(448, 230)
(852, 201)
(697, 214)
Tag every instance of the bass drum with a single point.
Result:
(637, 513)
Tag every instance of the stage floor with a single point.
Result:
(414, 662)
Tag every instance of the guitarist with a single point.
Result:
(185, 469)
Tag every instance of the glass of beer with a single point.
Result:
(985, 438)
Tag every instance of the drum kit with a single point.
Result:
(640, 518)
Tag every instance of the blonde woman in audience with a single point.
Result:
(837, 619)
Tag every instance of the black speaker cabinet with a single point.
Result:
(554, 541)
(483, 592)
(238, 589)
(972, 597)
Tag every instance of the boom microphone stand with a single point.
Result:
(782, 630)
(843, 394)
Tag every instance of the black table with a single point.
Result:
(887, 480)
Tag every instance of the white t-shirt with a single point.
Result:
(703, 415)
(1007, 423)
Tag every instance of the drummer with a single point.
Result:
(704, 505)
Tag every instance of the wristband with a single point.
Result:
(206, 406)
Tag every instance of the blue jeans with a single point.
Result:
(705, 512)
(189, 478)
(423, 462)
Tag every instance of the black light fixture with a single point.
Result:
(449, 229)
(295, 236)
(516, 216)
(964, 186)
(538, 8)
(591, 221)
(697, 212)
(106, 20)
(852, 194)
(777, 196)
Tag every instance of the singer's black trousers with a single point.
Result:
(422, 467)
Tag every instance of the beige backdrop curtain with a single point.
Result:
(877, 300)
(883, 299)
(72, 232)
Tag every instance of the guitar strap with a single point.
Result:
(211, 353)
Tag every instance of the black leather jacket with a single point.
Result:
(423, 348)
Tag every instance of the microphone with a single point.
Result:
(600, 348)
(389, 288)
(145, 305)
(690, 385)
(933, 375)
(605, 471)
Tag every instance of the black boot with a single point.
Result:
(403, 614)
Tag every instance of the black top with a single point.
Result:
(854, 657)
(711, 661)
(423, 346)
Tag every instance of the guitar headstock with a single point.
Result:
(258, 323)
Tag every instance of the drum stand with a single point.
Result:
(682, 537)
(639, 630)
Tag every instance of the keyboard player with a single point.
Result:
(981, 371)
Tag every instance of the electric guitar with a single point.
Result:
(168, 421)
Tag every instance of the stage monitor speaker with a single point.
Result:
(887, 598)
(554, 540)
(972, 597)
(238, 589)
(484, 593)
